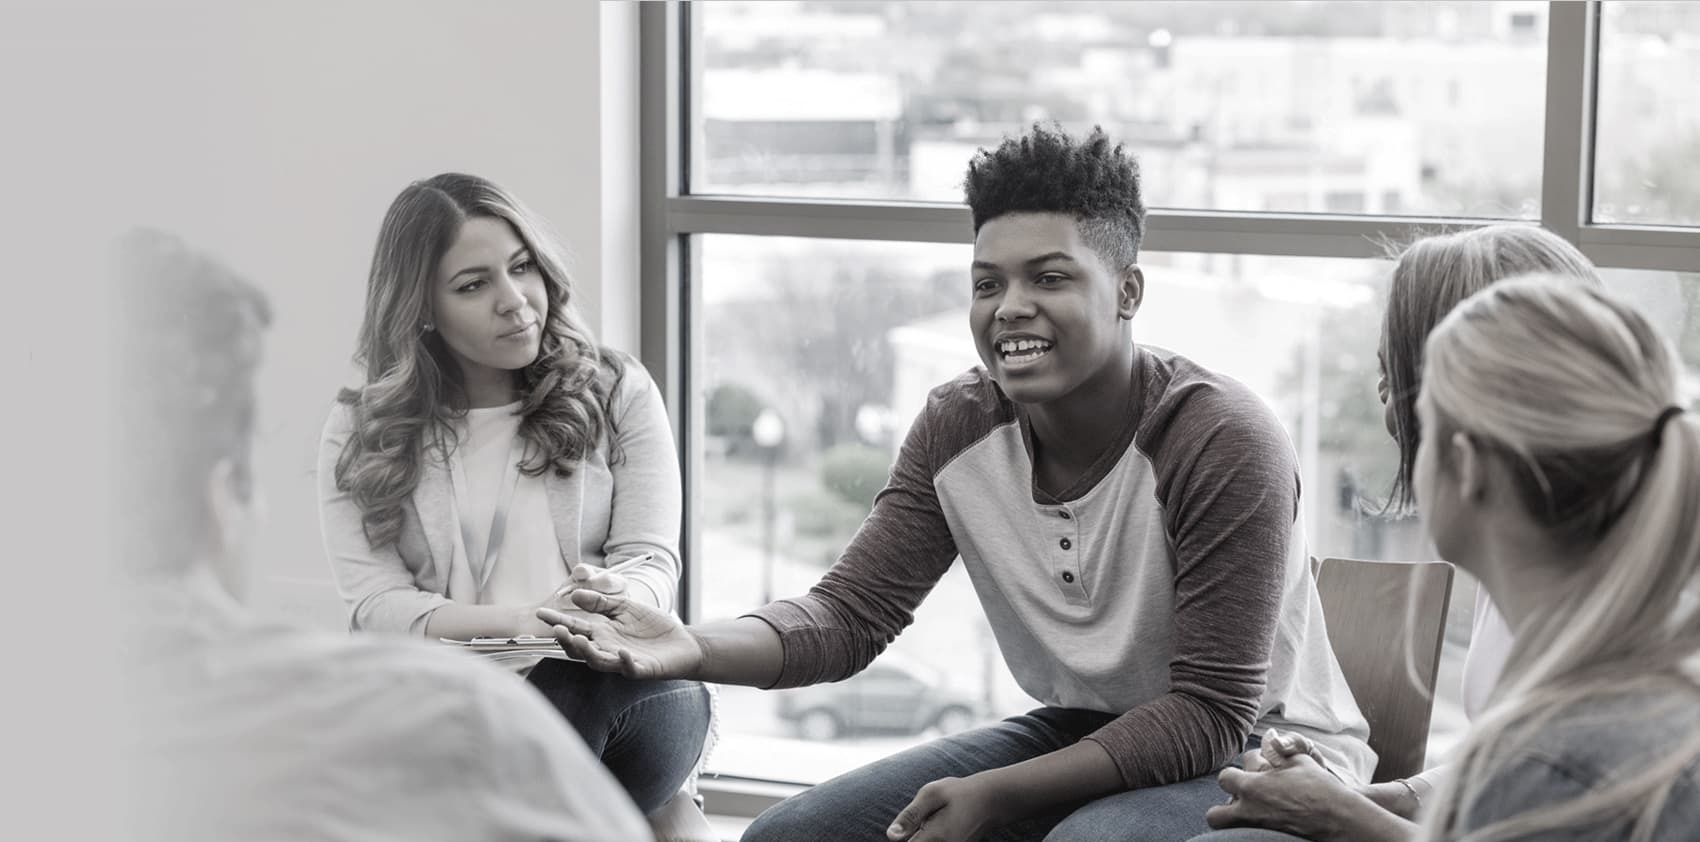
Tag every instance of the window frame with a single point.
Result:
(671, 215)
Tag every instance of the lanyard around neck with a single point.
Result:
(498, 518)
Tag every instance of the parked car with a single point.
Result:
(894, 695)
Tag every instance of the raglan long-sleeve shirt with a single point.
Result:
(1170, 585)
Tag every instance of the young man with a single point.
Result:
(246, 730)
(1130, 523)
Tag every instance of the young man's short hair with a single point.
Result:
(1047, 171)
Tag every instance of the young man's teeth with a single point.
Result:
(1023, 348)
(1010, 346)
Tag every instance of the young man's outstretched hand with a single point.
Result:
(630, 638)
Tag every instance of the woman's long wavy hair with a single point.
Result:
(414, 391)
(1430, 277)
(1569, 388)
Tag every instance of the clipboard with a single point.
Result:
(503, 649)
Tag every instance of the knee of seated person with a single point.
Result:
(684, 700)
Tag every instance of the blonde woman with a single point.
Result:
(1559, 464)
(497, 458)
(1431, 277)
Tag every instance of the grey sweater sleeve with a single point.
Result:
(1228, 483)
(870, 595)
(647, 493)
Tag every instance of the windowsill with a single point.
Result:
(742, 798)
(731, 803)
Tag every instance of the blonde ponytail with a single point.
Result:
(1594, 410)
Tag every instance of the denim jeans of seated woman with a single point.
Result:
(648, 734)
(859, 805)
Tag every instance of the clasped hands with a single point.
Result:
(1285, 785)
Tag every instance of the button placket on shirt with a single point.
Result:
(1067, 542)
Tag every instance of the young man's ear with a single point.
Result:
(230, 509)
(1131, 291)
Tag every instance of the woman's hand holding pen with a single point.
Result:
(616, 634)
(604, 580)
(610, 580)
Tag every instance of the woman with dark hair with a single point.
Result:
(498, 458)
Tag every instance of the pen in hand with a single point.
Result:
(618, 567)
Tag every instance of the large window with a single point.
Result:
(1648, 130)
(806, 259)
(1369, 107)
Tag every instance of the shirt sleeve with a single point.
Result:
(375, 584)
(1229, 487)
(648, 493)
(870, 595)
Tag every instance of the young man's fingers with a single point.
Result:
(596, 602)
(910, 818)
(598, 658)
(630, 668)
(582, 648)
(576, 645)
(560, 618)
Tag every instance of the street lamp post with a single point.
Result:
(768, 431)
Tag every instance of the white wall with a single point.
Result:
(274, 135)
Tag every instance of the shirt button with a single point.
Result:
(1068, 577)
(1067, 543)
(1064, 515)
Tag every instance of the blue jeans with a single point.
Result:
(648, 734)
(1249, 834)
(860, 804)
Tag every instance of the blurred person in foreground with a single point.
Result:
(246, 730)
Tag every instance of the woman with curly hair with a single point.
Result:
(497, 458)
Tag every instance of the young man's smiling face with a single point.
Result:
(1048, 311)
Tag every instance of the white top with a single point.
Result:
(253, 731)
(1490, 643)
(607, 510)
(530, 566)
